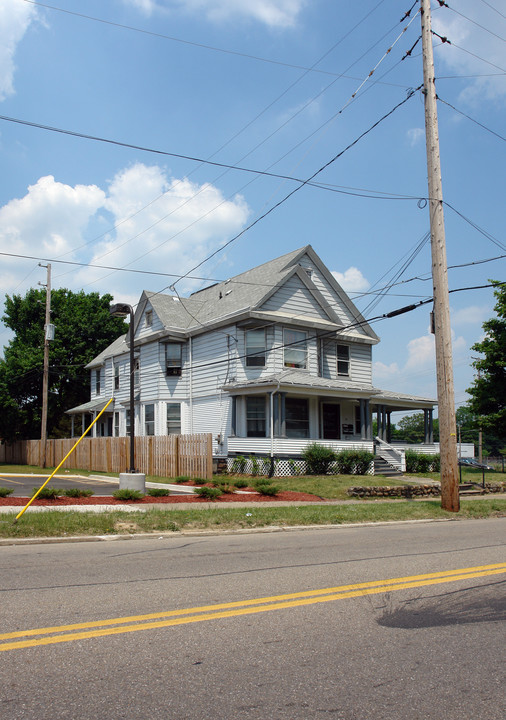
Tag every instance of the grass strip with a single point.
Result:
(72, 523)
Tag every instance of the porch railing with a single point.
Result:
(396, 457)
(290, 447)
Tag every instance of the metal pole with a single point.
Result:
(444, 364)
(132, 393)
(45, 371)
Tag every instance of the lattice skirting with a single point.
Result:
(283, 467)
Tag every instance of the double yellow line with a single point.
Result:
(153, 621)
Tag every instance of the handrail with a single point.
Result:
(391, 455)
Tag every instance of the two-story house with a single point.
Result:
(267, 361)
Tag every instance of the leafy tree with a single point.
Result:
(410, 429)
(488, 392)
(84, 328)
(468, 426)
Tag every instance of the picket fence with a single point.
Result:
(166, 456)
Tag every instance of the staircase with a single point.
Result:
(381, 467)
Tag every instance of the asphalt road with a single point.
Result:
(23, 485)
(258, 626)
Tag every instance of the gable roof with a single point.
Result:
(246, 293)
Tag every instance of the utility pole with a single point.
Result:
(48, 335)
(444, 362)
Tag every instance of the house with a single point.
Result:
(267, 361)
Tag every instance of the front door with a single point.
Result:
(331, 421)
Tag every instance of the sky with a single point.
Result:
(204, 115)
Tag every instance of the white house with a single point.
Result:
(267, 361)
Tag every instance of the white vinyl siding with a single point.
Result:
(296, 299)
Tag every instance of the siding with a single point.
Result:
(296, 299)
(144, 330)
(360, 361)
(214, 361)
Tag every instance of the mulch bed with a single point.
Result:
(286, 495)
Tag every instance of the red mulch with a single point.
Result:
(103, 500)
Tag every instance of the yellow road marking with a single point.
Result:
(238, 608)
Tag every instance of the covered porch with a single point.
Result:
(82, 415)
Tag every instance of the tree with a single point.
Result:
(488, 392)
(411, 429)
(84, 328)
(468, 426)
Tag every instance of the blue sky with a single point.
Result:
(267, 85)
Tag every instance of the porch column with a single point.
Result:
(368, 420)
(233, 419)
(282, 415)
(363, 421)
(426, 426)
(431, 427)
(383, 435)
(82, 424)
(275, 414)
(389, 426)
(71, 426)
(378, 420)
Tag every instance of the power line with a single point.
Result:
(482, 27)
(492, 132)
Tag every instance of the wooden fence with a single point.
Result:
(166, 456)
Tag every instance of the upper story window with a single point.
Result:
(97, 382)
(116, 377)
(149, 419)
(137, 372)
(173, 358)
(295, 353)
(149, 318)
(255, 348)
(343, 360)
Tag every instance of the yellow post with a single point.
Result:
(59, 466)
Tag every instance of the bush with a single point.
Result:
(47, 493)
(158, 492)
(5, 491)
(181, 478)
(318, 458)
(128, 494)
(265, 487)
(239, 484)
(239, 464)
(422, 463)
(208, 493)
(77, 493)
(353, 462)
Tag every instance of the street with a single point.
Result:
(388, 622)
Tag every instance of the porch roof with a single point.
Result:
(88, 407)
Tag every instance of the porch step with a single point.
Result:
(381, 467)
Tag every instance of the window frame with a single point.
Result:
(116, 376)
(149, 318)
(295, 346)
(173, 422)
(176, 366)
(98, 374)
(343, 359)
(293, 424)
(149, 424)
(256, 356)
(256, 419)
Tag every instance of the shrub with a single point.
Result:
(422, 463)
(241, 483)
(265, 487)
(181, 478)
(318, 458)
(208, 493)
(77, 493)
(353, 462)
(47, 493)
(158, 492)
(128, 494)
(5, 491)
(239, 464)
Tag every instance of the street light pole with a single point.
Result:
(122, 310)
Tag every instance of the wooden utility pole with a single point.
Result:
(45, 373)
(444, 362)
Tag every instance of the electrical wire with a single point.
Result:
(492, 132)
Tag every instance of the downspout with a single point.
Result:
(190, 352)
(274, 392)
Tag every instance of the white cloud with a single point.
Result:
(351, 280)
(15, 17)
(472, 315)
(415, 136)
(162, 224)
(476, 46)
(274, 13)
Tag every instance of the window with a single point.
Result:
(116, 424)
(297, 417)
(116, 377)
(255, 348)
(149, 318)
(255, 416)
(173, 358)
(343, 360)
(127, 423)
(173, 419)
(358, 423)
(137, 373)
(149, 419)
(97, 382)
(295, 348)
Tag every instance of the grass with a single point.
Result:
(60, 524)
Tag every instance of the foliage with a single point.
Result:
(158, 492)
(47, 493)
(77, 493)
(356, 462)
(239, 464)
(128, 494)
(83, 328)
(488, 392)
(265, 487)
(318, 458)
(208, 492)
(422, 463)
(182, 478)
(5, 491)
(223, 486)
(240, 483)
